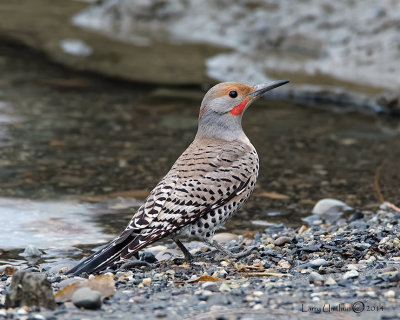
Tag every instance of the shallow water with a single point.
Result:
(77, 153)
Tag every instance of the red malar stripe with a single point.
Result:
(239, 108)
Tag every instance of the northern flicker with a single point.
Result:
(208, 183)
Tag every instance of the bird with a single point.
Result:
(206, 185)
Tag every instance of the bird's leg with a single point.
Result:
(226, 252)
(187, 254)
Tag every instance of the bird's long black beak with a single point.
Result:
(260, 89)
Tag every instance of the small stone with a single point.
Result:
(8, 270)
(146, 281)
(224, 288)
(224, 237)
(23, 310)
(148, 257)
(218, 299)
(350, 274)
(159, 314)
(315, 277)
(87, 298)
(62, 284)
(330, 281)
(330, 209)
(284, 264)
(211, 286)
(319, 263)
(302, 229)
(391, 276)
(390, 294)
(282, 241)
(224, 263)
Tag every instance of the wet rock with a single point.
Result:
(282, 241)
(87, 298)
(30, 289)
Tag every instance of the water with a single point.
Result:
(78, 153)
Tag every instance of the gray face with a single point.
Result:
(223, 106)
(225, 96)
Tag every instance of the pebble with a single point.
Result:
(87, 298)
(319, 263)
(148, 257)
(282, 241)
(350, 274)
(218, 299)
(211, 286)
(330, 208)
(330, 281)
(390, 294)
(224, 288)
(284, 264)
(224, 237)
(315, 277)
(146, 281)
(273, 276)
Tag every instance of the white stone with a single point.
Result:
(390, 294)
(350, 274)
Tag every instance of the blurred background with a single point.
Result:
(98, 99)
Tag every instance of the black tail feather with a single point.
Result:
(103, 258)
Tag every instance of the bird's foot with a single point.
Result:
(133, 263)
(186, 253)
(230, 254)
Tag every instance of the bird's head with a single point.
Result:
(224, 104)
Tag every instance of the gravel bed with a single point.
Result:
(348, 269)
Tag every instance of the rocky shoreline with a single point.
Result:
(346, 268)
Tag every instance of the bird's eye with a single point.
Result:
(233, 94)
